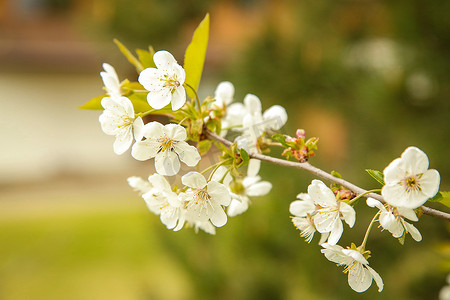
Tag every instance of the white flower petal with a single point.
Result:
(178, 98)
(224, 93)
(153, 130)
(375, 203)
(321, 194)
(393, 173)
(413, 231)
(187, 153)
(219, 218)
(237, 207)
(429, 182)
(175, 132)
(414, 160)
(219, 193)
(335, 233)
(301, 208)
(377, 278)
(138, 126)
(194, 180)
(145, 149)
(164, 60)
(123, 142)
(159, 182)
(219, 173)
(253, 104)
(253, 167)
(408, 213)
(167, 163)
(139, 184)
(325, 220)
(275, 117)
(348, 213)
(159, 99)
(359, 278)
(259, 189)
(150, 79)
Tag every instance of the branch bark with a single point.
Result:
(324, 175)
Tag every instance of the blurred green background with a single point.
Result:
(369, 78)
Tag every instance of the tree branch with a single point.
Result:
(322, 174)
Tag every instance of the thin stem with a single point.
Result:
(215, 169)
(366, 236)
(362, 195)
(322, 174)
(148, 112)
(232, 127)
(196, 96)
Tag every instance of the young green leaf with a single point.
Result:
(194, 58)
(442, 197)
(139, 101)
(244, 155)
(94, 103)
(146, 57)
(280, 138)
(336, 174)
(131, 58)
(204, 146)
(377, 175)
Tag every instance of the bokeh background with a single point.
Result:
(368, 77)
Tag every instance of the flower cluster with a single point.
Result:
(206, 202)
(407, 185)
(200, 203)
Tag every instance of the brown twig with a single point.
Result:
(322, 174)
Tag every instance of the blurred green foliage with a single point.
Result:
(380, 66)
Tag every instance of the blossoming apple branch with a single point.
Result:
(225, 189)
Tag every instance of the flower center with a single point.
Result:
(200, 202)
(166, 143)
(411, 183)
(171, 83)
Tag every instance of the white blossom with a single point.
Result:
(444, 293)
(203, 200)
(409, 183)
(140, 185)
(118, 119)
(111, 81)
(330, 212)
(166, 143)
(223, 94)
(165, 82)
(162, 201)
(241, 189)
(393, 219)
(303, 211)
(360, 275)
(255, 123)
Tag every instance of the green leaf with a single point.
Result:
(131, 58)
(442, 197)
(377, 175)
(336, 174)
(139, 101)
(194, 58)
(244, 155)
(280, 138)
(401, 239)
(94, 103)
(146, 57)
(204, 146)
(131, 86)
